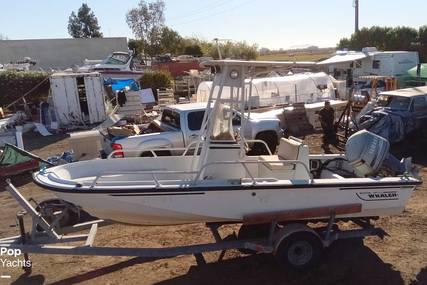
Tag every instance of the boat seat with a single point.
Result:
(289, 149)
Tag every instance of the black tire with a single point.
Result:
(146, 154)
(248, 232)
(269, 138)
(158, 153)
(71, 212)
(300, 251)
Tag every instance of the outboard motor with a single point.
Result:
(366, 152)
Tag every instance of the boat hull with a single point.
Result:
(205, 204)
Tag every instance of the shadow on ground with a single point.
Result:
(33, 140)
(26, 278)
(421, 278)
(346, 262)
(17, 180)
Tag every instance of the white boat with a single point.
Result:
(223, 184)
(118, 65)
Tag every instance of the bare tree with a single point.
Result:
(147, 22)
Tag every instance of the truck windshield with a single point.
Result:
(171, 118)
(394, 102)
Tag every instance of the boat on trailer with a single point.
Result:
(221, 183)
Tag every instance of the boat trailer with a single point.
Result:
(286, 231)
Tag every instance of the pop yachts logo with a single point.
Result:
(9, 257)
(378, 196)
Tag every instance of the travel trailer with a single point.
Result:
(369, 61)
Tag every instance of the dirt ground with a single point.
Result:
(400, 258)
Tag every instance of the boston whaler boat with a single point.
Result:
(223, 184)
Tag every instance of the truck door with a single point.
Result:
(194, 123)
(419, 108)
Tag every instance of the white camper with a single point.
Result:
(370, 61)
(268, 91)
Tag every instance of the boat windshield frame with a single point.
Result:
(114, 60)
(398, 103)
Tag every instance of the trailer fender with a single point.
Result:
(290, 229)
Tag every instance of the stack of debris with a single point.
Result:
(165, 97)
(125, 130)
(295, 122)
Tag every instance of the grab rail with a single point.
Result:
(198, 173)
(152, 173)
(243, 163)
(260, 141)
(185, 149)
(153, 150)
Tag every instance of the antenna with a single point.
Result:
(356, 15)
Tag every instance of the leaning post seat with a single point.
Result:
(289, 149)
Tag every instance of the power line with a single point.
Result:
(203, 9)
(207, 17)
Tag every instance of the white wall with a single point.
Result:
(59, 53)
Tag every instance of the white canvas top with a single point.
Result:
(407, 92)
(344, 57)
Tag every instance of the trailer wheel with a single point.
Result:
(300, 251)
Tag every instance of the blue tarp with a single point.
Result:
(390, 124)
(120, 84)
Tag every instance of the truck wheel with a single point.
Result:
(270, 139)
(158, 153)
(300, 251)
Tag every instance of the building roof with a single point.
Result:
(407, 92)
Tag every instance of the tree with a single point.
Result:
(136, 45)
(84, 24)
(194, 50)
(170, 41)
(146, 22)
(383, 38)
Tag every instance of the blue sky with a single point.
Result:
(269, 23)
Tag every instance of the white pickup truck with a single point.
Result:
(179, 125)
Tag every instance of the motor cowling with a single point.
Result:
(365, 152)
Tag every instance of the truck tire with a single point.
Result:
(300, 251)
(158, 153)
(270, 139)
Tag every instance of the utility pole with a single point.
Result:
(217, 46)
(356, 15)
(216, 40)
